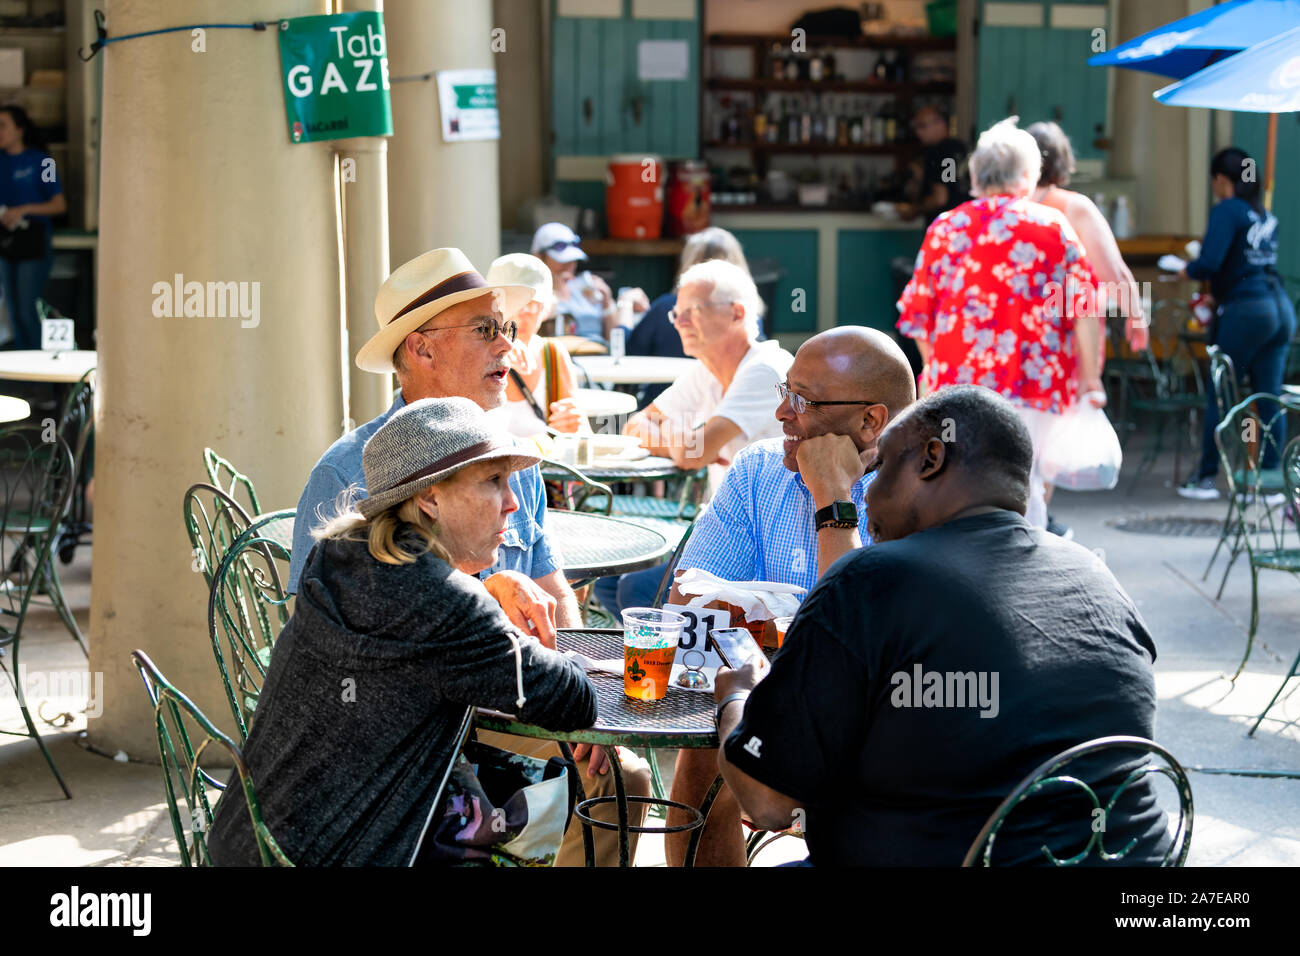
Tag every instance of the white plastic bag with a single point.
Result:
(1082, 451)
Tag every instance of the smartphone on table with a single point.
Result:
(737, 647)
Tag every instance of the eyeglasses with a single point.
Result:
(675, 314)
(800, 404)
(489, 328)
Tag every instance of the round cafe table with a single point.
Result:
(595, 546)
(608, 470)
(603, 403)
(634, 369)
(13, 409)
(683, 719)
(31, 365)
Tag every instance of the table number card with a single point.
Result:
(57, 335)
(695, 634)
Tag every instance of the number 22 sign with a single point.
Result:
(695, 633)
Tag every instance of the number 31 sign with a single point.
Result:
(695, 633)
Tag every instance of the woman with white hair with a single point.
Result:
(541, 382)
(1002, 290)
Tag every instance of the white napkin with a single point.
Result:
(760, 600)
(1171, 263)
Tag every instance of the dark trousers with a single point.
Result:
(23, 282)
(1256, 334)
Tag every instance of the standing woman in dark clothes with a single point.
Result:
(1254, 320)
(31, 194)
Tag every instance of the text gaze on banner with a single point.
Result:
(335, 76)
(695, 633)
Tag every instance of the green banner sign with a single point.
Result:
(335, 76)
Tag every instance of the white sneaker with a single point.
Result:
(1202, 489)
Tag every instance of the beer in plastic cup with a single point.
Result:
(782, 625)
(650, 639)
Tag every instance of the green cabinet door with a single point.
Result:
(790, 255)
(601, 106)
(1027, 66)
(865, 288)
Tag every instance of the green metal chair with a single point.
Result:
(1050, 773)
(577, 492)
(229, 478)
(76, 426)
(1280, 559)
(213, 521)
(183, 774)
(247, 609)
(36, 479)
(1170, 399)
(1227, 392)
(1242, 439)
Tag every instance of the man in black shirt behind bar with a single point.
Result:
(925, 676)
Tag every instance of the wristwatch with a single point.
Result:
(837, 514)
(722, 705)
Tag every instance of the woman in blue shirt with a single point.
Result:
(1254, 320)
(30, 194)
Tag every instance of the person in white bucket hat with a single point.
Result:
(445, 331)
(542, 383)
(389, 602)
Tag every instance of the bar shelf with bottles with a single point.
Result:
(830, 98)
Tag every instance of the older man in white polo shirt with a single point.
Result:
(718, 407)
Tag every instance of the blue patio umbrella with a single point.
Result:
(1185, 46)
(1262, 79)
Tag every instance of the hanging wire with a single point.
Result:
(103, 39)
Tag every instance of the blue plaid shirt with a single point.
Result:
(526, 548)
(759, 526)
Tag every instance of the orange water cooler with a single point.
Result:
(634, 197)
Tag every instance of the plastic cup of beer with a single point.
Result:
(782, 625)
(650, 639)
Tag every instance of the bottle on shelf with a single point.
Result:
(805, 123)
(816, 67)
(881, 71)
(776, 61)
(829, 64)
(878, 127)
(891, 122)
(792, 121)
(818, 126)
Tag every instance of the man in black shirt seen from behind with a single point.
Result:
(925, 676)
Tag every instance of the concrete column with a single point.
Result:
(439, 194)
(363, 168)
(199, 180)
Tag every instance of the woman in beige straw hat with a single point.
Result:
(390, 641)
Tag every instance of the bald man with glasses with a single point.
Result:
(788, 509)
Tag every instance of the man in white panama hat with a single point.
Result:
(444, 332)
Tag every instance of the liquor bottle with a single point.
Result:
(805, 124)
(891, 123)
(881, 72)
(776, 61)
(816, 67)
(792, 121)
(878, 127)
(760, 123)
(829, 59)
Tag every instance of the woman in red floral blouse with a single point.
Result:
(1002, 290)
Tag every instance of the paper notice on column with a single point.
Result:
(663, 60)
(467, 100)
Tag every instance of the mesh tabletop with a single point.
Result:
(683, 718)
(595, 546)
(647, 469)
(275, 527)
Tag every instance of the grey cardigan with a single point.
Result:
(357, 719)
